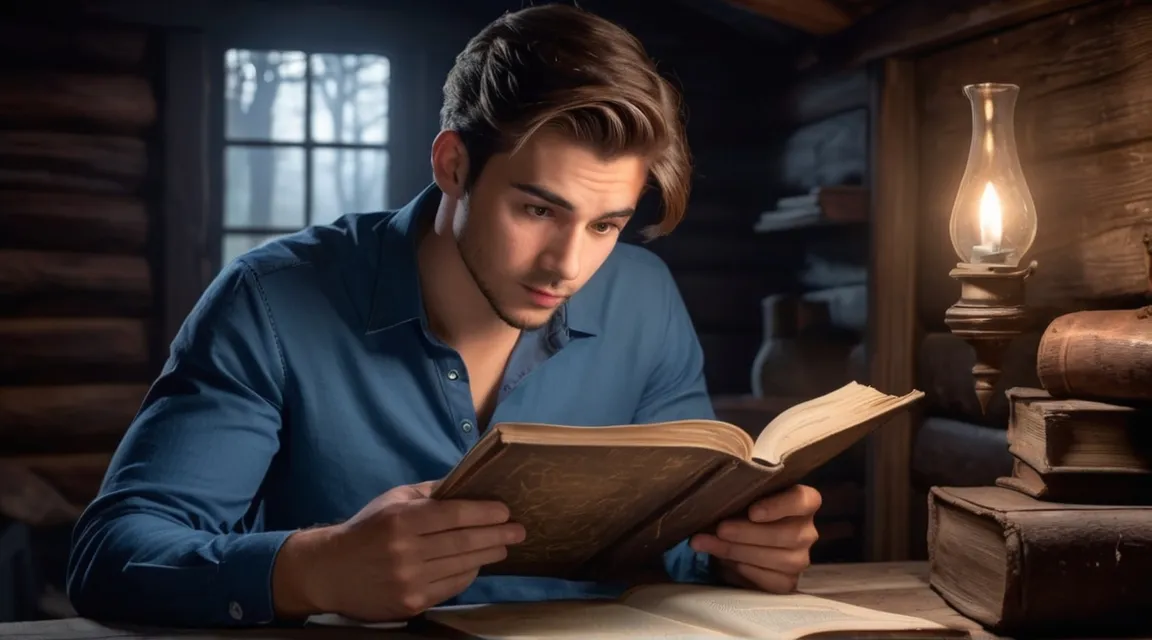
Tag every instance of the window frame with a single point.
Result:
(308, 144)
(190, 168)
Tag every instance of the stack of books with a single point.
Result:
(1064, 544)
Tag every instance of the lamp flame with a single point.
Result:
(991, 220)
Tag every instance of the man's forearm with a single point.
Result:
(138, 564)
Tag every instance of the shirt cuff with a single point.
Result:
(246, 569)
(685, 565)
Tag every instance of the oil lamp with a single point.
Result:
(992, 227)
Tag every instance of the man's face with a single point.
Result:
(539, 223)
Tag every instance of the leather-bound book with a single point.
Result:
(1079, 487)
(1072, 450)
(1098, 354)
(1021, 566)
(608, 501)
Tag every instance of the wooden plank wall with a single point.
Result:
(77, 288)
(1084, 130)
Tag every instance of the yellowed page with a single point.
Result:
(592, 619)
(849, 406)
(753, 614)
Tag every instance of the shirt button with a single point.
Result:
(452, 375)
(466, 426)
(235, 611)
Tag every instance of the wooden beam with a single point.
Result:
(892, 325)
(911, 26)
(55, 220)
(818, 17)
(60, 351)
(56, 416)
(65, 283)
(65, 161)
(186, 212)
(117, 103)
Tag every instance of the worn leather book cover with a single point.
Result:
(1074, 435)
(1073, 450)
(1098, 354)
(607, 501)
(1085, 487)
(1018, 565)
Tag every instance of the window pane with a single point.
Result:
(350, 98)
(264, 187)
(348, 181)
(264, 94)
(236, 244)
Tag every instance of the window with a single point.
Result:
(306, 141)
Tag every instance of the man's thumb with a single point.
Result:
(425, 489)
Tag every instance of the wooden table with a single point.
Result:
(897, 587)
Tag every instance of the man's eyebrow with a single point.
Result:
(562, 202)
(544, 194)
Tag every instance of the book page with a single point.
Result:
(591, 619)
(852, 405)
(752, 614)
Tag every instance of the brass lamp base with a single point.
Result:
(988, 315)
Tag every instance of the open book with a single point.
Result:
(685, 611)
(604, 502)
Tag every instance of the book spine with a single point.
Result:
(1078, 570)
(1104, 354)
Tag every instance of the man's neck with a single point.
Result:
(458, 313)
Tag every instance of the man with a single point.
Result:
(282, 462)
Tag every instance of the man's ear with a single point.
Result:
(449, 163)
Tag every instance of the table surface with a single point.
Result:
(896, 587)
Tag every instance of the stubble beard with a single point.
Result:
(471, 254)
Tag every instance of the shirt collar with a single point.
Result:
(396, 293)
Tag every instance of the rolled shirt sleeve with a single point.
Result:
(174, 536)
(676, 390)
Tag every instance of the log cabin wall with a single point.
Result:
(1083, 125)
(78, 112)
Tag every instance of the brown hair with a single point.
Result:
(561, 67)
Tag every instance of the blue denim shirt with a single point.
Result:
(306, 382)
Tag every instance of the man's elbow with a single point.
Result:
(95, 572)
(107, 544)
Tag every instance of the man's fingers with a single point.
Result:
(441, 568)
(449, 586)
(787, 561)
(798, 500)
(766, 579)
(425, 489)
(789, 533)
(444, 515)
(457, 541)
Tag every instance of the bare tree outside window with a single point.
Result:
(306, 141)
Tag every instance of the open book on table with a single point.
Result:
(684, 611)
(599, 502)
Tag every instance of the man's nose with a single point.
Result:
(562, 258)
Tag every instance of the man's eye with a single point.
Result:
(536, 210)
(604, 227)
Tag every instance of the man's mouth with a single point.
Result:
(543, 297)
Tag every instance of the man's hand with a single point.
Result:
(400, 555)
(767, 550)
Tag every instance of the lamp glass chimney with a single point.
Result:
(993, 216)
